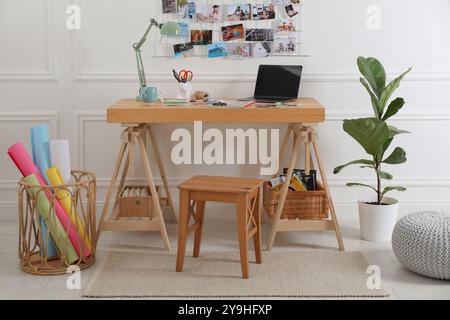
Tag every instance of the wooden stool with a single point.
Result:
(242, 191)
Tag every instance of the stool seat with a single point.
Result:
(221, 184)
(244, 192)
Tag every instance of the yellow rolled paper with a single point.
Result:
(57, 230)
(64, 198)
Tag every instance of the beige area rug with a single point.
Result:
(307, 274)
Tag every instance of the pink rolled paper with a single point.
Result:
(26, 166)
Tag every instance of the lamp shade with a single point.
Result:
(170, 28)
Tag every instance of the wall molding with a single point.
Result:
(81, 118)
(430, 115)
(50, 117)
(48, 75)
(414, 182)
(417, 182)
(81, 75)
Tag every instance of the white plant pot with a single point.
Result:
(377, 222)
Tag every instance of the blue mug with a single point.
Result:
(148, 94)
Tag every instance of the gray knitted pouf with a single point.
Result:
(421, 242)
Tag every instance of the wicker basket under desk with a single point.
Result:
(303, 205)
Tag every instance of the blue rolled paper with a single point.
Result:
(40, 149)
(41, 157)
(51, 247)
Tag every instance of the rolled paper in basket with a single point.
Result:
(60, 157)
(65, 199)
(40, 148)
(50, 246)
(23, 162)
(26, 166)
(56, 229)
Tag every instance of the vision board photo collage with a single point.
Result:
(238, 33)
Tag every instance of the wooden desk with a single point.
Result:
(131, 111)
(138, 118)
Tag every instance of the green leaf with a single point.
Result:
(393, 108)
(374, 73)
(367, 167)
(387, 144)
(392, 188)
(360, 161)
(398, 156)
(373, 98)
(354, 184)
(370, 133)
(389, 90)
(385, 175)
(393, 131)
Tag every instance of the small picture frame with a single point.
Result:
(233, 32)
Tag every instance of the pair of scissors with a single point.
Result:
(185, 75)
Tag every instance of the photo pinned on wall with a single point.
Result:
(239, 50)
(201, 37)
(287, 25)
(261, 49)
(233, 32)
(290, 10)
(263, 12)
(285, 46)
(169, 6)
(184, 50)
(184, 32)
(217, 50)
(241, 12)
(258, 35)
(286, 2)
(207, 13)
(186, 9)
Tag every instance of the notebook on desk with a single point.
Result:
(277, 83)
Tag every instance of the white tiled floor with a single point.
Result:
(218, 235)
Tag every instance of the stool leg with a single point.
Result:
(182, 228)
(200, 212)
(242, 204)
(257, 236)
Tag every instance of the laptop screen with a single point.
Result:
(278, 82)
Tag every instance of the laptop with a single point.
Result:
(277, 83)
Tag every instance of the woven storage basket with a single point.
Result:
(34, 240)
(304, 205)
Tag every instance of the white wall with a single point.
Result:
(68, 79)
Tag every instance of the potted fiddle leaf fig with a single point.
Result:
(377, 213)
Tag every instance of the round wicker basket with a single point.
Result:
(39, 225)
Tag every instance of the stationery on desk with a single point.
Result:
(212, 103)
(183, 76)
(278, 105)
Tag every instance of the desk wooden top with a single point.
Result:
(131, 111)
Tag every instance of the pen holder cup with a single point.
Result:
(49, 245)
(185, 90)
